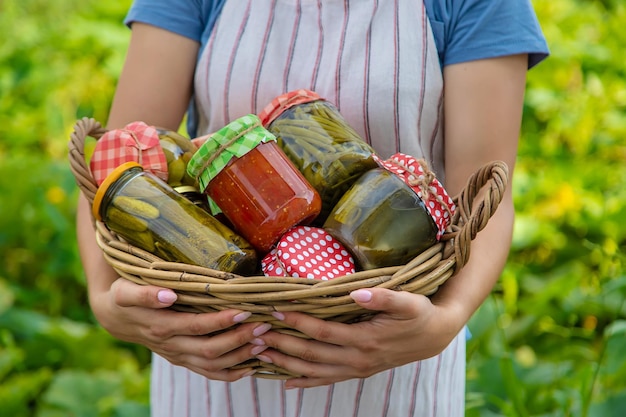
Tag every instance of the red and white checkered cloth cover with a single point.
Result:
(136, 142)
(285, 101)
(308, 252)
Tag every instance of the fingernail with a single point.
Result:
(264, 358)
(241, 316)
(361, 295)
(258, 342)
(263, 328)
(166, 296)
(249, 373)
(258, 349)
(278, 315)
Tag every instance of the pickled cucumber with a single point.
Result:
(135, 207)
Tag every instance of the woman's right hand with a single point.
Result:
(139, 314)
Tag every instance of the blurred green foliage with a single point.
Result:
(548, 342)
(551, 339)
(59, 61)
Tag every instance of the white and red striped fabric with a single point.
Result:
(377, 62)
(429, 388)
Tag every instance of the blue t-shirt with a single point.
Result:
(464, 30)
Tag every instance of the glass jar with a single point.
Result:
(324, 147)
(391, 214)
(178, 151)
(252, 182)
(149, 214)
(194, 195)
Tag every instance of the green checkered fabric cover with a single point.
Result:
(232, 141)
(254, 134)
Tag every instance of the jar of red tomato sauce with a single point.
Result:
(251, 181)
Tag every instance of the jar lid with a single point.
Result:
(136, 142)
(418, 176)
(232, 141)
(108, 181)
(308, 252)
(181, 189)
(285, 101)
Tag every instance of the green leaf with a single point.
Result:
(616, 329)
(6, 296)
(76, 393)
(20, 390)
(612, 406)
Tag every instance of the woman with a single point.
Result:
(443, 80)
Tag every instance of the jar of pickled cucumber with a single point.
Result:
(178, 151)
(324, 147)
(252, 182)
(149, 214)
(392, 213)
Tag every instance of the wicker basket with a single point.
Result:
(205, 290)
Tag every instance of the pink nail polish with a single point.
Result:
(263, 328)
(166, 296)
(264, 358)
(241, 316)
(278, 315)
(258, 349)
(363, 296)
(258, 342)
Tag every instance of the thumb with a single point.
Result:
(129, 294)
(399, 304)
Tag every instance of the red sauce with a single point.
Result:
(263, 195)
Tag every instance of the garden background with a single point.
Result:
(550, 341)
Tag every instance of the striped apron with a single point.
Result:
(377, 62)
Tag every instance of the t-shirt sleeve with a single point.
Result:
(468, 30)
(184, 17)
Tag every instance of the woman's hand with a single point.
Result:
(409, 327)
(204, 343)
(139, 314)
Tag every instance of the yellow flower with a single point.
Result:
(55, 195)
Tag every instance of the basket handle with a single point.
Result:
(82, 129)
(468, 219)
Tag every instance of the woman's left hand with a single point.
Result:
(409, 327)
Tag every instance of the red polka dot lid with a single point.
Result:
(416, 174)
(308, 252)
